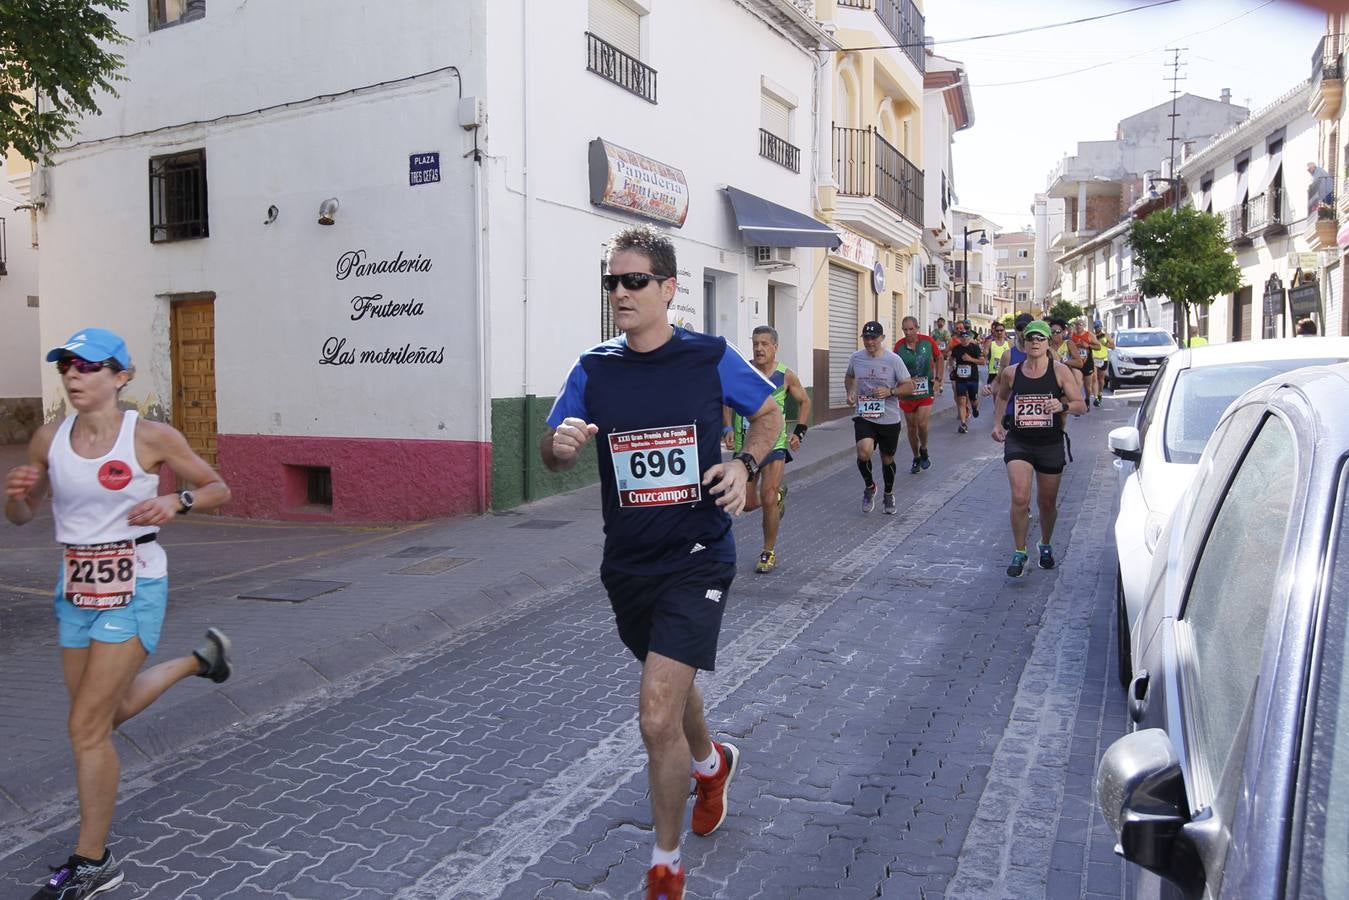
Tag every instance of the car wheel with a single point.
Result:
(1124, 648)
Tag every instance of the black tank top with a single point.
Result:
(1032, 422)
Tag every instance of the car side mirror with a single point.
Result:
(1124, 443)
(1141, 791)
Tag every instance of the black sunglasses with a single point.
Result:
(633, 281)
(84, 366)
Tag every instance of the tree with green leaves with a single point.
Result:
(1066, 310)
(54, 57)
(1183, 254)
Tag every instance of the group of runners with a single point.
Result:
(668, 499)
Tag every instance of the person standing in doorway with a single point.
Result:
(651, 401)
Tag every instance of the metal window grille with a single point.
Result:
(612, 64)
(774, 148)
(178, 197)
(319, 485)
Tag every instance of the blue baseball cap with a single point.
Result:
(95, 345)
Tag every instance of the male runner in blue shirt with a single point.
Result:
(652, 399)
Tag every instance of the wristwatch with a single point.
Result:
(751, 464)
(187, 501)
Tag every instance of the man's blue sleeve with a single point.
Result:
(571, 400)
(743, 389)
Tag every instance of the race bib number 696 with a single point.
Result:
(656, 466)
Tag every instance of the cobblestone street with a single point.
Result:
(914, 724)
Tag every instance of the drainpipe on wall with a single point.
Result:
(527, 429)
(480, 262)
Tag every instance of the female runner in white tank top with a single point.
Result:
(102, 467)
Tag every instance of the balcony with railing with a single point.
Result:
(1327, 77)
(774, 148)
(904, 21)
(612, 64)
(1322, 224)
(1264, 213)
(868, 167)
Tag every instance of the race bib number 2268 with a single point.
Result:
(656, 466)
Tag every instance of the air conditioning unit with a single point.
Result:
(772, 257)
(931, 281)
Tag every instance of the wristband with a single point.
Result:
(799, 431)
(726, 429)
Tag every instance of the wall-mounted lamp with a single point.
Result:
(328, 210)
(272, 213)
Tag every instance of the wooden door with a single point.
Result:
(192, 334)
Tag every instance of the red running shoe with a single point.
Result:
(709, 805)
(662, 884)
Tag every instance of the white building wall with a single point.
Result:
(20, 343)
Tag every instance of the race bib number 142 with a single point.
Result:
(656, 466)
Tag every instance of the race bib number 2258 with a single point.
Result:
(656, 466)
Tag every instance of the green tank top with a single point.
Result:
(740, 425)
(919, 363)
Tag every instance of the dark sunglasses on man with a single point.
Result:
(84, 366)
(633, 281)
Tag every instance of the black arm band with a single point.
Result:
(799, 431)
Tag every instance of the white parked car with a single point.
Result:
(1158, 452)
(1138, 354)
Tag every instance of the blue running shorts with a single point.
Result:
(143, 617)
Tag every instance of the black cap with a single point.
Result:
(1022, 321)
(873, 329)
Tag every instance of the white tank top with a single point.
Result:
(92, 497)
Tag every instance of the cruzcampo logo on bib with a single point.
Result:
(656, 466)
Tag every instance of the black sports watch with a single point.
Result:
(187, 501)
(751, 464)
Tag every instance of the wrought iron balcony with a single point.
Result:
(612, 64)
(1235, 219)
(1327, 77)
(779, 151)
(866, 165)
(1264, 213)
(905, 23)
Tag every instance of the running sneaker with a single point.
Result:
(922, 458)
(888, 504)
(782, 501)
(868, 498)
(214, 655)
(917, 465)
(709, 804)
(1018, 566)
(767, 560)
(1097, 401)
(963, 429)
(974, 408)
(663, 884)
(77, 878)
(1046, 556)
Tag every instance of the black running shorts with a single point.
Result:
(885, 436)
(1047, 459)
(675, 614)
(968, 389)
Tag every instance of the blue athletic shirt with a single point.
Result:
(659, 418)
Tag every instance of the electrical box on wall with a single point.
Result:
(472, 112)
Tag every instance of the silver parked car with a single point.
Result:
(1235, 782)
(1137, 355)
(1158, 451)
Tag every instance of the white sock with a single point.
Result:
(710, 765)
(669, 858)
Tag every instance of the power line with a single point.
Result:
(1027, 30)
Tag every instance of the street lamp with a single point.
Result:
(983, 242)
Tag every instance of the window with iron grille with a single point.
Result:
(178, 197)
(164, 13)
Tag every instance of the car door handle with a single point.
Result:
(1138, 696)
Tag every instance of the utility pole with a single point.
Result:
(1179, 327)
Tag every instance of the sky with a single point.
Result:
(1260, 49)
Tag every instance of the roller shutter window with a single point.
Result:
(617, 24)
(843, 329)
(775, 117)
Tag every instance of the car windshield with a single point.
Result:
(1201, 395)
(1142, 339)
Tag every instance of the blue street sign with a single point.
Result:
(423, 168)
